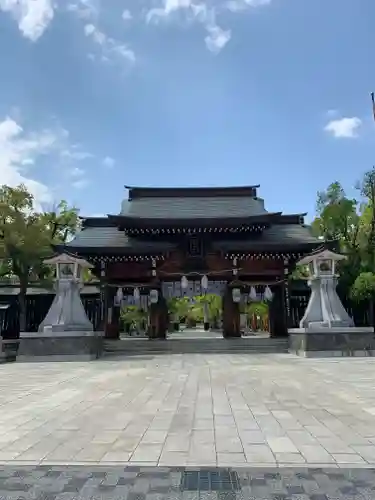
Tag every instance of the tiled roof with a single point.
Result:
(280, 235)
(111, 239)
(102, 238)
(193, 207)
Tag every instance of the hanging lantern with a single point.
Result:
(253, 294)
(268, 293)
(154, 296)
(204, 282)
(236, 295)
(136, 293)
(118, 297)
(184, 283)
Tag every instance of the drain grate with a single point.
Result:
(210, 480)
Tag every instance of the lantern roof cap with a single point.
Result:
(322, 255)
(65, 258)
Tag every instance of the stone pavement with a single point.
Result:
(197, 410)
(142, 483)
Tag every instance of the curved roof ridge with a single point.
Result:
(136, 192)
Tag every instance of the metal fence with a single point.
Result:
(299, 299)
(37, 307)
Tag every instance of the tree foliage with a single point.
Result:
(27, 236)
(260, 309)
(350, 224)
(133, 316)
(363, 287)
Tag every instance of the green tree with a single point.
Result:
(300, 273)
(367, 220)
(363, 289)
(133, 316)
(338, 220)
(257, 308)
(351, 224)
(27, 236)
(179, 307)
(337, 217)
(214, 307)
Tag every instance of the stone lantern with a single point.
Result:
(66, 332)
(67, 312)
(326, 328)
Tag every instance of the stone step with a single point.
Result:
(136, 346)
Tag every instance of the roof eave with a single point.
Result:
(127, 221)
(272, 247)
(105, 250)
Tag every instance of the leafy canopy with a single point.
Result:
(26, 236)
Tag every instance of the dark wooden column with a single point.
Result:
(159, 318)
(112, 324)
(231, 315)
(277, 312)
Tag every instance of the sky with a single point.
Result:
(95, 95)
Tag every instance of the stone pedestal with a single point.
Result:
(325, 309)
(326, 328)
(8, 350)
(331, 342)
(2, 353)
(66, 333)
(60, 346)
(66, 313)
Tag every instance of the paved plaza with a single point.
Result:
(147, 483)
(190, 410)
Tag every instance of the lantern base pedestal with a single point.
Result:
(66, 312)
(331, 342)
(60, 346)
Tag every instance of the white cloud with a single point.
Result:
(127, 15)
(108, 162)
(344, 127)
(17, 150)
(89, 29)
(76, 177)
(32, 16)
(75, 153)
(77, 172)
(240, 5)
(110, 47)
(28, 161)
(80, 183)
(84, 9)
(217, 38)
(167, 8)
(21, 149)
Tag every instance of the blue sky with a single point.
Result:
(95, 95)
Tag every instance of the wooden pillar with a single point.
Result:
(159, 318)
(112, 323)
(231, 315)
(277, 312)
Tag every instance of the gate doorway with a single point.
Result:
(194, 307)
(188, 305)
